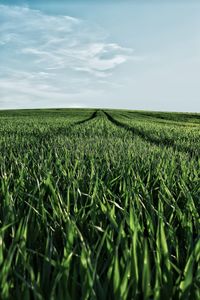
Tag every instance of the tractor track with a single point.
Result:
(93, 115)
(154, 141)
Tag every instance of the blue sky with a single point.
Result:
(117, 54)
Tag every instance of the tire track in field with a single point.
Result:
(162, 121)
(93, 115)
(153, 140)
(62, 130)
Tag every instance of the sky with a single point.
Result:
(135, 54)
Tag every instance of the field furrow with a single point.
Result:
(157, 139)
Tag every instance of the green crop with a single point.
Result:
(99, 205)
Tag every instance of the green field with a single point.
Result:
(99, 205)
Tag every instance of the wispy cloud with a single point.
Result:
(53, 56)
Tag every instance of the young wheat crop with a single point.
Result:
(99, 205)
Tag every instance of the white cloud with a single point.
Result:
(42, 54)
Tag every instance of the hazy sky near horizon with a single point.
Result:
(117, 54)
